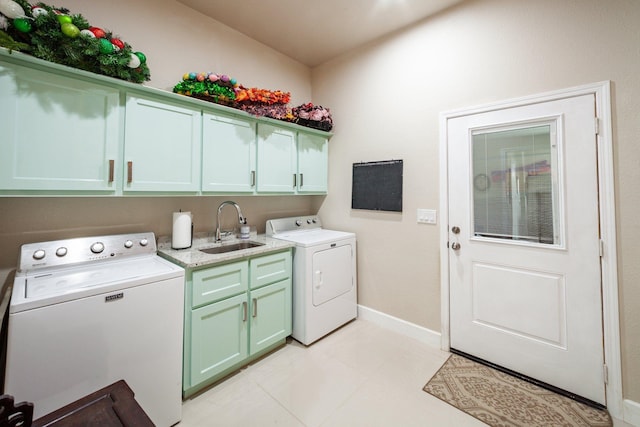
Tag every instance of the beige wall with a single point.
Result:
(38, 219)
(177, 40)
(386, 100)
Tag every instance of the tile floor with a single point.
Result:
(360, 375)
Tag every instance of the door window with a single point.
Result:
(515, 184)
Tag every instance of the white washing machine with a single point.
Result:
(87, 312)
(324, 275)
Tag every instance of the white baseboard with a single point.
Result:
(631, 412)
(400, 326)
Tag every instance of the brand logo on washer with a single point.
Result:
(114, 297)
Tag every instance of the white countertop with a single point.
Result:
(193, 257)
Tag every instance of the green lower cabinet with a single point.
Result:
(223, 332)
(218, 337)
(270, 315)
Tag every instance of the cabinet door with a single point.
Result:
(218, 337)
(58, 133)
(162, 147)
(270, 315)
(313, 162)
(228, 154)
(276, 160)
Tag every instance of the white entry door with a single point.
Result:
(524, 253)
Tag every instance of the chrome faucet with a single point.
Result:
(241, 218)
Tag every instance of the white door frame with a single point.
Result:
(611, 330)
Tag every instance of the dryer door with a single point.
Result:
(332, 273)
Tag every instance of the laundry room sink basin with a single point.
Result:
(231, 247)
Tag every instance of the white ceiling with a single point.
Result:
(314, 31)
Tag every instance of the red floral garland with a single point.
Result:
(263, 96)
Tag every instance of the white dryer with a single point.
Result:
(324, 275)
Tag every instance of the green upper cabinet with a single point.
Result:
(228, 154)
(277, 168)
(59, 134)
(286, 162)
(161, 146)
(70, 132)
(313, 161)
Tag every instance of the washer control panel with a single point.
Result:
(282, 225)
(80, 250)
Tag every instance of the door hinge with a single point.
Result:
(597, 126)
(605, 373)
(601, 247)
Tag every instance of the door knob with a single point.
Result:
(455, 246)
(455, 229)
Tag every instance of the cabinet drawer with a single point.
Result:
(213, 284)
(270, 269)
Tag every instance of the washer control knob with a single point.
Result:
(144, 242)
(97, 247)
(128, 244)
(298, 222)
(314, 220)
(39, 254)
(61, 251)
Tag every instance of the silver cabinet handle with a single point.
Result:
(244, 311)
(301, 180)
(255, 307)
(294, 180)
(253, 178)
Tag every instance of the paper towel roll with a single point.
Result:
(181, 237)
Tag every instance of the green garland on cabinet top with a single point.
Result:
(54, 34)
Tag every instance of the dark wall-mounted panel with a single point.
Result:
(377, 186)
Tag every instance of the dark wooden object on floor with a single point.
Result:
(11, 415)
(112, 406)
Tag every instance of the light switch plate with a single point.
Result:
(427, 216)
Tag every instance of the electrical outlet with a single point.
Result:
(427, 216)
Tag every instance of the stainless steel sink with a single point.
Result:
(231, 247)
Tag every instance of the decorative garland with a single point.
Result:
(53, 34)
(265, 103)
(275, 111)
(315, 116)
(263, 96)
(220, 89)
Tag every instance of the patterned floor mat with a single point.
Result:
(500, 399)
